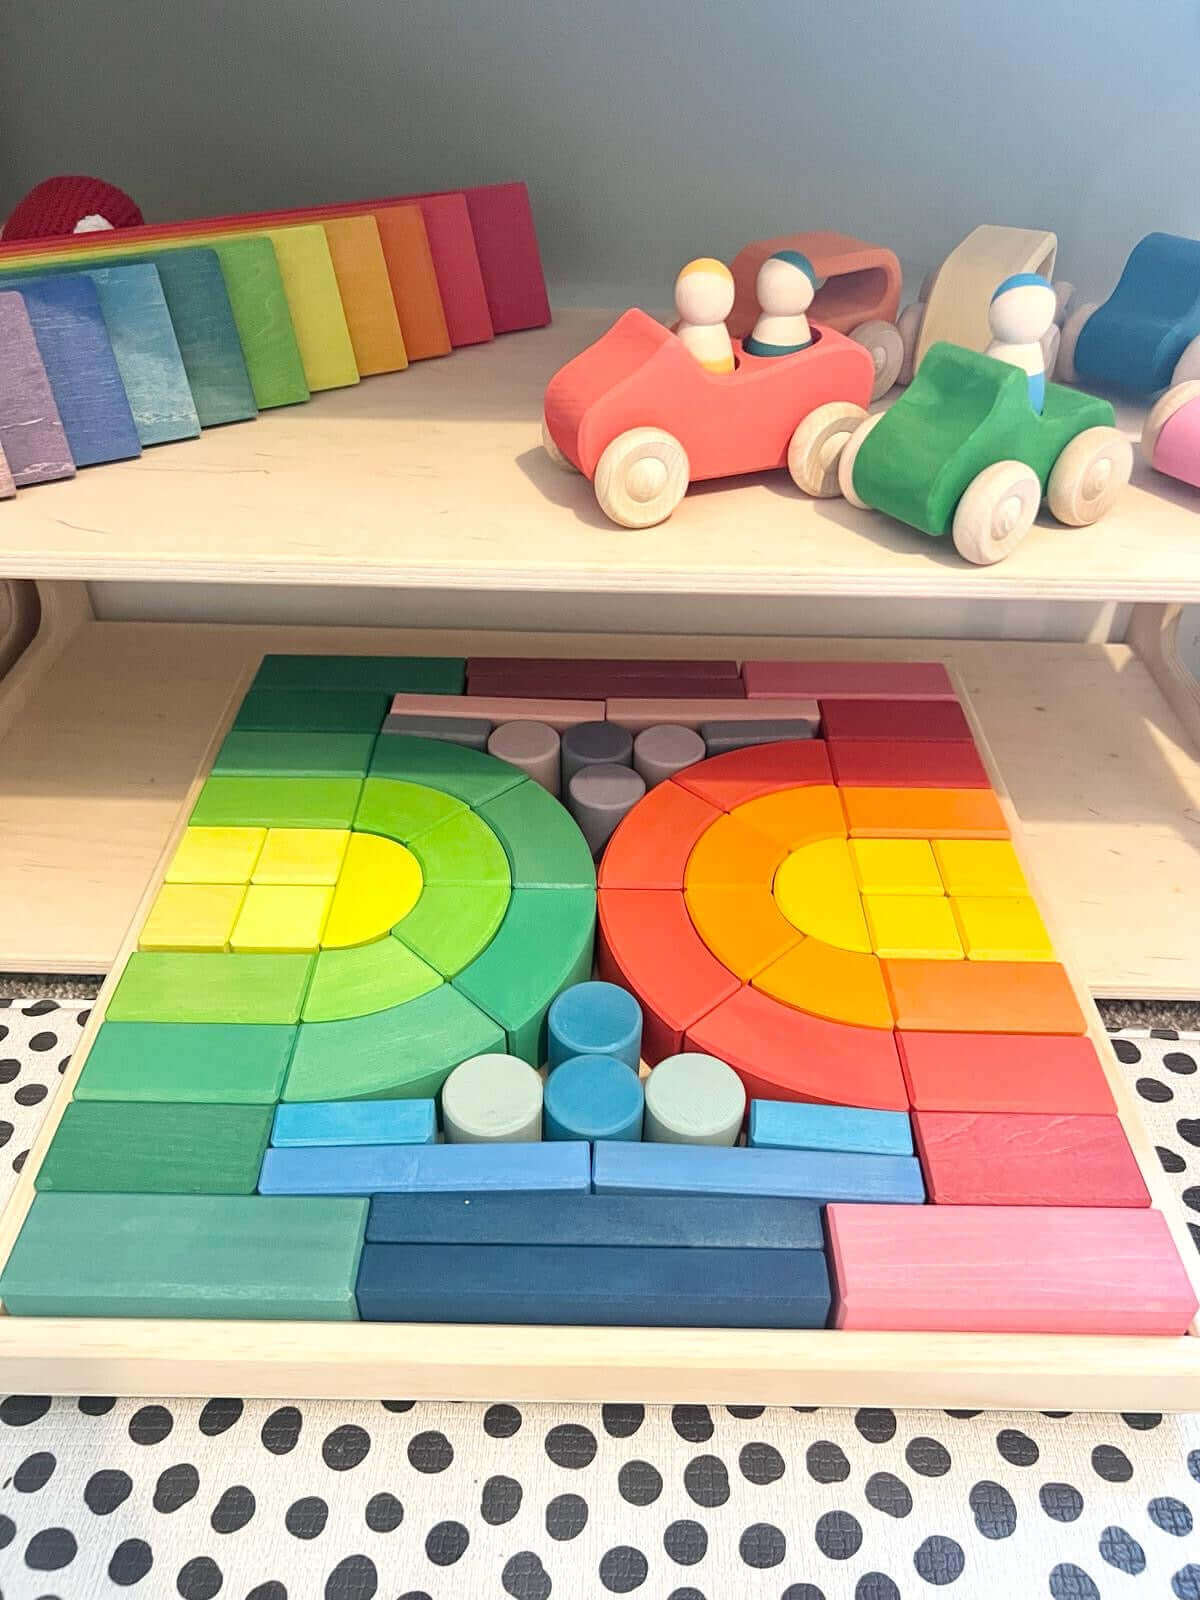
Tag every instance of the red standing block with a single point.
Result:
(509, 258)
(651, 846)
(1004, 1072)
(730, 780)
(907, 764)
(848, 680)
(997, 1158)
(895, 719)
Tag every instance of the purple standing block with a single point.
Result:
(31, 433)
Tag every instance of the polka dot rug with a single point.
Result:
(316, 1500)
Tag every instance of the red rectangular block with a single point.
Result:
(730, 780)
(997, 1158)
(849, 680)
(895, 719)
(650, 850)
(1006, 1269)
(907, 764)
(1004, 1072)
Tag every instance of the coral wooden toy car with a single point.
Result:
(639, 416)
(1171, 435)
(1146, 335)
(859, 294)
(962, 451)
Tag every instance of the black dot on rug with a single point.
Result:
(1121, 1550)
(571, 1445)
(639, 1483)
(927, 1456)
(106, 1490)
(1061, 1502)
(1069, 1582)
(622, 1421)
(1111, 1463)
(345, 1447)
(1017, 1448)
(199, 1579)
(19, 1410)
(686, 1542)
(354, 1578)
(889, 1494)
(501, 1422)
(993, 1508)
(826, 1462)
(175, 1487)
(34, 1472)
(876, 1424)
(50, 1550)
(499, 1500)
(693, 1423)
(129, 1563)
(566, 1516)
(430, 1451)
(306, 1518)
(838, 1535)
(706, 1480)
(219, 1415)
(939, 1559)
(763, 1545)
(760, 1462)
(623, 1569)
(445, 1543)
(233, 1510)
(281, 1431)
(384, 1512)
(525, 1578)
(150, 1425)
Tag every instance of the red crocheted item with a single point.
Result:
(58, 205)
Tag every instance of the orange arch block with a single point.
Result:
(820, 978)
(741, 925)
(795, 816)
(731, 853)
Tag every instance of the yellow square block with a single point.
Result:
(919, 927)
(281, 918)
(895, 866)
(1006, 928)
(302, 855)
(192, 916)
(979, 867)
(216, 855)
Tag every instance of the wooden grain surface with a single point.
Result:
(31, 430)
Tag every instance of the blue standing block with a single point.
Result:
(594, 1019)
(593, 1097)
(339, 1122)
(820, 1175)
(609, 1286)
(69, 327)
(796, 1125)
(425, 1168)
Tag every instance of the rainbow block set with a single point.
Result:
(155, 332)
(871, 1101)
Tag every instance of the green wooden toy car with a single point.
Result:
(962, 451)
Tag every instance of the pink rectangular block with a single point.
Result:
(690, 713)
(590, 680)
(558, 714)
(509, 258)
(849, 680)
(1006, 1269)
(895, 719)
(456, 264)
(999, 1158)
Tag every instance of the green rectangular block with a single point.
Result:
(217, 1063)
(295, 755)
(542, 839)
(207, 1257)
(191, 986)
(450, 924)
(138, 1147)
(461, 850)
(230, 801)
(469, 775)
(391, 674)
(311, 711)
(400, 810)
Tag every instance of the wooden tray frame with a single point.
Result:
(61, 1355)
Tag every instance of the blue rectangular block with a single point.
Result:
(557, 1284)
(686, 1221)
(820, 1175)
(796, 1125)
(342, 1122)
(416, 1168)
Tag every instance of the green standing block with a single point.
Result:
(461, 850)
(545, 847)
(391, 674)
(215, 1063)
(311, 711)
(206, 1257)
(365, 978)
(544, 945)
(235, 802)
(451, 923)
(400, 810)
(470, 775)
(138, 1147)
(297, 755)
(190, 986)
(406, 1053)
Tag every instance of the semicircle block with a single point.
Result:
(379, 883)
(983, 997)
(651, 846)
(796, 817)
(741, 925)
(452, 922)
(468, 775)
(731, 853)
(401, 810)
(783, 1054)
(882, 813)
(365, 978)
(462, 850)
(647, 944)
(740, 775)
(541, 838)
(820, 978)
(817, 891)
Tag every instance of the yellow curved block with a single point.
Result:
(730, 853)
(741, 925)
(895, 866)
(216, 855)
(817, 892)
(379, 884)
(795, 816)
(843, 985)
(918, 927)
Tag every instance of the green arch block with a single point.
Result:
(365, 978)
(461, 850)
(400, 810)
(468, 774)
(542, 839)
(452, 922)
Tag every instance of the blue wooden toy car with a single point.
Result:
(1146, 335)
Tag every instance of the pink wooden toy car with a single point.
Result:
(640, 417)
(1171, 435)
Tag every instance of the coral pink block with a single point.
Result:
(644, 712)
(1004, 1072)
(860, 282)
(558, 714)
(996, 1158)
(895, 719)
(849, 680)
(907, 764)
(1177, 451)
(652, 844)
(1006, 1269)
(740, 775)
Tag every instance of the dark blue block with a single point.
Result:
(556, 1284)
(819, 1175)
(72, 337)
(688, 1221)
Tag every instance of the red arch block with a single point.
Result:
(730, 780)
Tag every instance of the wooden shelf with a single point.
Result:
(98, 758)
(434, 478)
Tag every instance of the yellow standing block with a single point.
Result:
(919, 927)
(1006, 928)
(302, 855)
(795, 816)
(816, 890)
(380, 883)
(895, 866)
(216, 855)
(192, 916)
(979, 867)
(281, 919)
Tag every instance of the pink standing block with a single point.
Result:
(849, 680)
(509, 258)
(1177, 452)
(558, 714)
(456, 263)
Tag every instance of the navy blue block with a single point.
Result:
(339, 1122)
(797, 1125)
(608, 1286)
(417, 1168)
(819, 1175)
(77, 354)
(687, 1221)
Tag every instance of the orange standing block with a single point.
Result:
(741, 925)
(414, 281)
(731, 853)
(366, 289)
(983, 997)
(795, 817)
(820, 978)
(880, 812)
(651, 846)
(740, 775)
(1004, 1072)
(991, 1158)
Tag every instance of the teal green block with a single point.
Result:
(231, 801)
(469, 775)
(189, 986)
(311, 711)
(199, 1257)
(406, 1053)
(390, 674)
(544, 945)
(541, 838)
(295, 755)
(139, 1147)
(222, 1063)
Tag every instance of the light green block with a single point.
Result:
(470, 775)
(190, 986)
(138, 1147)
(390, 674)
(401, 810)
(366, 978)
(311, 711)
(451, 923)
(461, 850)
(296, 755)
(544, 845)
(218, 1063)
(236, 802)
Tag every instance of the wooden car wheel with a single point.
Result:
(552, 450)
(817, 445)
(909, 328)
(1188, 365)
(641, 477)
(849, 455)
(1072, 328)
(1161, 412)
(996, 512)
(1089, 475)
(884, 345)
